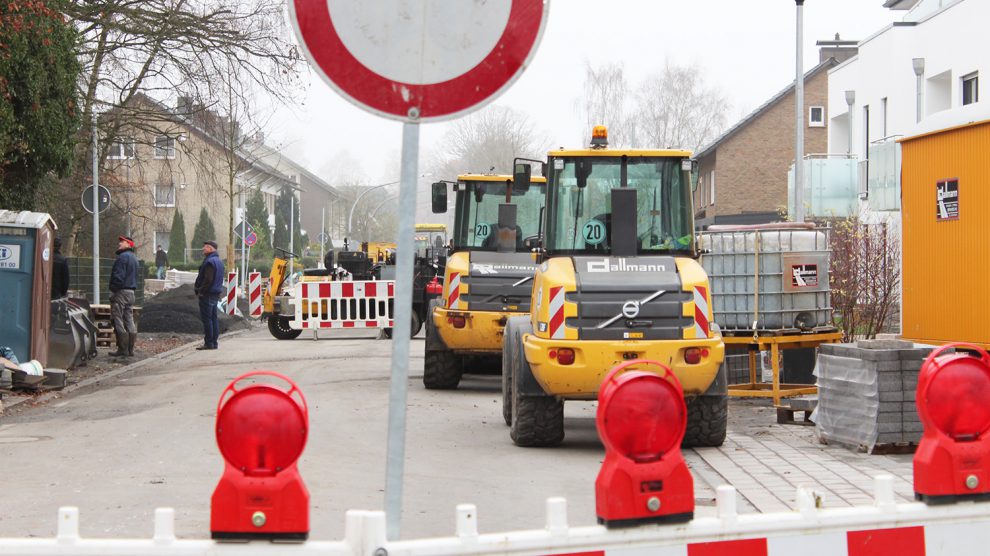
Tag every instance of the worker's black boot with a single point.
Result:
(121, 343)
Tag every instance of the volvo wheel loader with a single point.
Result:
(488, 276)
(618, 279)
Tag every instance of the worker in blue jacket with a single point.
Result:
(123, 282)
(209, 286)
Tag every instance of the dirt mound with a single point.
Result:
(177, 310)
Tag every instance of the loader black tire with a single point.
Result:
(279, 327)
(442, 370)
(509, 350)
(416, 325)
(534, 421)
(707, 420)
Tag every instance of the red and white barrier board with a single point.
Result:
(254, 294)
(231, 293)
(883, 528)
(365, 304)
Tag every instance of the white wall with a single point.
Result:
(953, 40)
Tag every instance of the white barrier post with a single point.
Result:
(231, 293)
(254, 294)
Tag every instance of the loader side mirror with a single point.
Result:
(521, 179)
(439, 197)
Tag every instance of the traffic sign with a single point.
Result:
(251, 239)
(436, 62)
(323, 238)
(87, 199)
(245, 226)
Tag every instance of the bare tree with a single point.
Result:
(865, 277)
(670, 108)
(606, 95)
(488, 141)
(166, 49)
(676, 109)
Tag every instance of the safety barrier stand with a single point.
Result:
(254, 294)
(885, 527)
(344, 304)
(231, 293)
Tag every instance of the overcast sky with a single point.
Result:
(746, 48)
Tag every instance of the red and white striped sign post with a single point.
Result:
(231, 292)
(254, 294)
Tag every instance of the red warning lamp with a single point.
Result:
(952, 461)
(261, 431)
(434, 287)
(641, 420)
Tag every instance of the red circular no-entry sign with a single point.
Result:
(419, 59)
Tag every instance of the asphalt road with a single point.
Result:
(145, 439)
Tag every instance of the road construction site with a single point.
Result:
(144, 438)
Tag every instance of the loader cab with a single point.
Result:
(603, 201)
(478, 201)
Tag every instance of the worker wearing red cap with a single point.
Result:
(123, 282)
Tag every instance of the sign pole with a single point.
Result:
(96, 213)
(396, 454)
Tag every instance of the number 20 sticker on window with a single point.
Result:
(593, 232)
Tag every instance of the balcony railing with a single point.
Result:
(830, 186)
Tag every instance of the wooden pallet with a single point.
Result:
(785, 416)
(104, 325)
(748, 333)
(894, 448)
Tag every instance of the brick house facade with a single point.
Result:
(743, 173)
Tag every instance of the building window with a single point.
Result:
(165, 195)
(970, 88)
(816, 116)
(164, 147)
(121, 149)
(161, 238)
(702, 202)
(711, 186)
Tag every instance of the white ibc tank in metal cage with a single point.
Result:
(768, 277)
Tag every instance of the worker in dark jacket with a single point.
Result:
(123, 282)
(209, 285)
(60, 272)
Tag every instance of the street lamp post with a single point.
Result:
(918, 64)
(350, 216)
(96, 213)
(850, 101)
(799, 117)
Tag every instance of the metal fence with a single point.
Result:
(81, 278)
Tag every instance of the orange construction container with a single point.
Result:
(945, 199)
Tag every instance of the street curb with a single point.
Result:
(48, 396)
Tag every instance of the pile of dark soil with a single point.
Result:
(177, 310)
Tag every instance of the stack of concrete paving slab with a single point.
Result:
(866, 393)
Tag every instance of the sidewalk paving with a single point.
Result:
(766, 462)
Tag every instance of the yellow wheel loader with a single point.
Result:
(488, 276)
(618, 279)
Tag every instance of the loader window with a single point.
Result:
(476, 216)
(580, 213)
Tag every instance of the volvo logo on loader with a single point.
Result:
(630, 309)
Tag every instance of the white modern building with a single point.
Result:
(919, 74)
